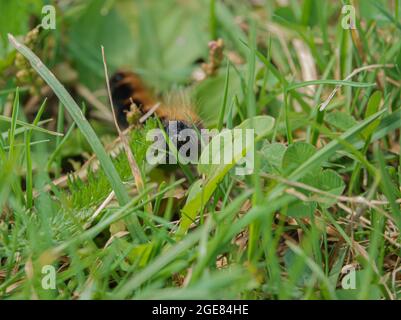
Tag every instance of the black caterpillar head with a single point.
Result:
(183, 134)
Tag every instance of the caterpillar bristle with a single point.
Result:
(128, 88)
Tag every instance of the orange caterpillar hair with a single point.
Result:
(128, 88)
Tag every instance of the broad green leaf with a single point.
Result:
(261, 125)
(323, 154)
(216, 172)
(330, 181)
(108, 30)
(340, 120)
(296, 154)
(372, 108)
(272, 157)
(301, 209)
(390, 190)
(141, 253)
(15, 18)
(195, 188)
(324, 180)
(210, 94)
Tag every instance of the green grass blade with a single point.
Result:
(223, 107)
(330, 82)
(324, 153)
(11, 137)
(78, 117)
(213, 20)
(29, 126)
(29, 175)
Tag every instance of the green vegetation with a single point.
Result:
(324, 197)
